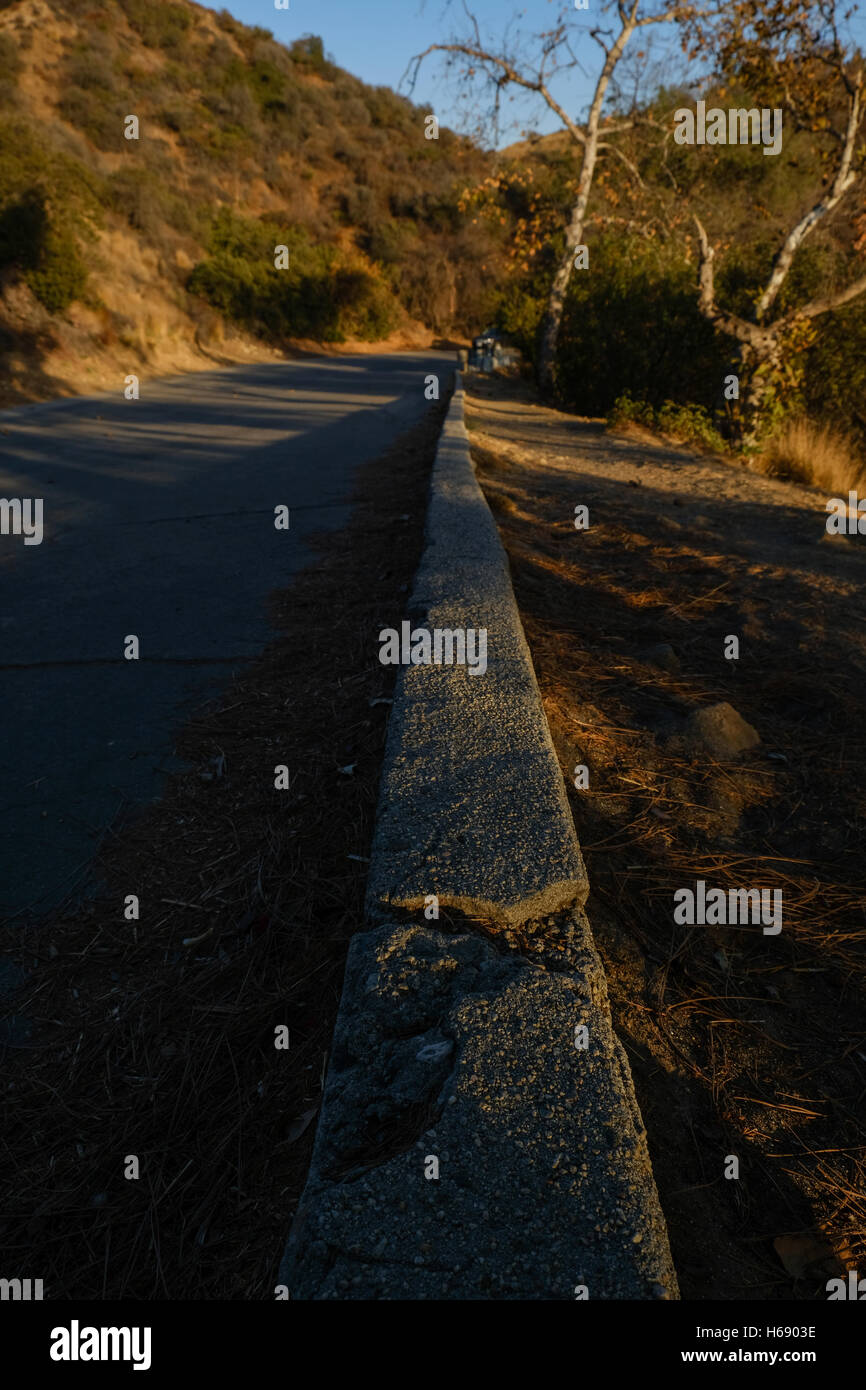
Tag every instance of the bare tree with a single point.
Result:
(805, 67)
(554, 54)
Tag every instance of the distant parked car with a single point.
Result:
(489, 351)
(483, 348)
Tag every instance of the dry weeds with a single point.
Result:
(814, 454)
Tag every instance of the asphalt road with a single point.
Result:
(158, 522)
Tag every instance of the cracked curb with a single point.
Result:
(466, 755)
(467, 1148)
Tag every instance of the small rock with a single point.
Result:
(720, 730)
(662, 654)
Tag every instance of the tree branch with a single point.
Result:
(508, 73)
(632, 168)
(827, 302)
(738, 328)
(676, 11)
(845, 177)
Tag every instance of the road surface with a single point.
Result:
(158, 523)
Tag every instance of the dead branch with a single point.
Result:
(741, 329)
(844, 178)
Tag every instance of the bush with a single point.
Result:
(23, 230)
(366, 309)
(320, 295)
(387, 108)
(519, 311)
(688, 424)
(633, 325)
(236, 107)
(227, 22)
(834, 385)
(627, 411)
(389, 243)
(46, 255)
(159, 23)
(94, 113)
(26, 164)
(309, 52)
(90, 69)
(60, 275)
(268, 86)
(146, 198)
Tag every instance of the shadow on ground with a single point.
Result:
(741, 1044)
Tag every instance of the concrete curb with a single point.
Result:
(472, 1143)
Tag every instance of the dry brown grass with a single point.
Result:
(818, 455)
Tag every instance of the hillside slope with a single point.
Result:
(156, 254)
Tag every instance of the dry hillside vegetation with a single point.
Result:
(120, 255)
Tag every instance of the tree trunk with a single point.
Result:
(756, 369)
(552, 321)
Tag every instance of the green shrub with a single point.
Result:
(159, 23)
(90, 70)
(389, 242)
(519, 312)
(834, 378)
(309, 52)
(319, 295)
(268, 86)
(148, 201)
(27, 162)
(627, 411)
(366, 309)
(44, 249)
(633, 324)
(690, 423)
(60, 275)
(23, 230)
(96, 114)
(389, 109)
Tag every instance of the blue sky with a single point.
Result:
(375, 39)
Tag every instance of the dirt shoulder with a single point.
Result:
(741, 1044)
